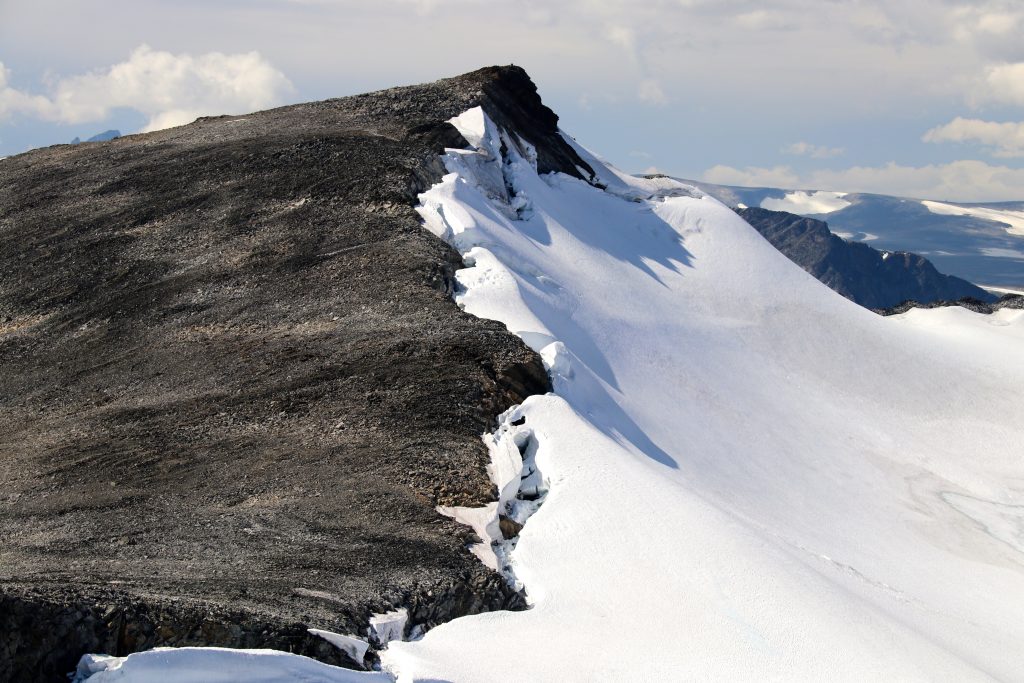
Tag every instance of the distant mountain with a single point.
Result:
(872, 278)
(100, 137)
(982, 243)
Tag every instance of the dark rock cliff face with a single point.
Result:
(862, 274)
(235, 386)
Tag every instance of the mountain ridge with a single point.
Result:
(872, 278)
(236, 385)
(978, 242)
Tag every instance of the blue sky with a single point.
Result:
(916, 97)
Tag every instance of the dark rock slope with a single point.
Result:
(872, 278)
(234, 385)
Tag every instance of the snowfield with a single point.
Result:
(1013, 220)
(747, 476)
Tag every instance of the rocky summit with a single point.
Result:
(235, 386)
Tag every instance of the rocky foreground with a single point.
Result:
(235, 385)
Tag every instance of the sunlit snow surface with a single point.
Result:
(1013, 220)
(215, 665)
(750, 478)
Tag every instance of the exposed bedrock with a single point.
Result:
(235, 386)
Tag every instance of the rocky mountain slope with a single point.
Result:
(872, 278)
(235, 386)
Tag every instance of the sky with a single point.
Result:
(920, 98)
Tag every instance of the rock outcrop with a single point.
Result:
(870, 277)
(235, 385)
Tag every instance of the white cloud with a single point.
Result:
(999, 23)
(169, 89)
(753, 176)
(622, 36)
(1006, 83)
(650, 91)
(993, 28)
(172, 118)
(1004, 139)
(806, 149)
(962, 181)
(868, 55)
(874, 62)
(967, 180)
(13, 101)
(765, 20)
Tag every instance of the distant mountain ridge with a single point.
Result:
(872, 278)
(981, 242)
(100, 137)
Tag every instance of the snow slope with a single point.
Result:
(214, 665)
(748, 477)
(1013, 220)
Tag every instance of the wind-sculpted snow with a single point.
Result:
(750, 477)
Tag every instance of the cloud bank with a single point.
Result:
(1006, 83)
(960, 181)
(1003, 139)
(806, 149)
(695, 82)
(169, 89)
